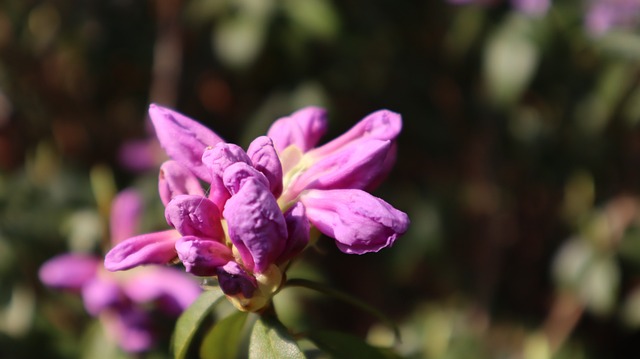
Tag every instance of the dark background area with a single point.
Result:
(521, 184)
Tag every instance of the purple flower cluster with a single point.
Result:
(126, 303)
(260, 204)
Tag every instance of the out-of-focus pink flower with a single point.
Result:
(127, 304)
(606, 15)
(144, 154)
(261, 203)
(141, 155)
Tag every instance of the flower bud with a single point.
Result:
(302, 129)
(359, 222)
(265, 159)
(182, 138)
(256, 225)
(194, 216)
(174, 180)
(202, 257)
(217, 159)
(381, 125)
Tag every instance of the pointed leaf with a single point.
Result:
(341, 345)
(271, 340)
(189, 322)
(223, 339)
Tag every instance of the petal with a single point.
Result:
(217, 159)
(298, 231)
(303, 129)
(237, 174)
(174, 179)
(68, 271)
(126, 210)
(359, 222)
(223, 155)
(381, 125)
(355, 166)
(202, 257)
(140, 155)
(256, 224)
(172, 290)
(265, 159)
(182, 138)
(150, 248)
(194, 216)
(101, 293)
(233, 280)
(385, 168)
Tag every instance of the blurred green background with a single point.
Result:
(519, 160)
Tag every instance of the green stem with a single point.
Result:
(304, 283)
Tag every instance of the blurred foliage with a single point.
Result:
(518, 163)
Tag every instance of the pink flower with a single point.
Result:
(261, 203)
(126, 305)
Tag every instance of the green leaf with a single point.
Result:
(625, 45)
(304, 283)
(189, 322)
(96, 344)
(599, 286)
(510, 60)
(223, 339)
(239, 40)
(341, 345)
(271, 340)
(317, 17)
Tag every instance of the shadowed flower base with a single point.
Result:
(247, 293)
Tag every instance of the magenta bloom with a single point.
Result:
(261, 203)
(127, 305)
